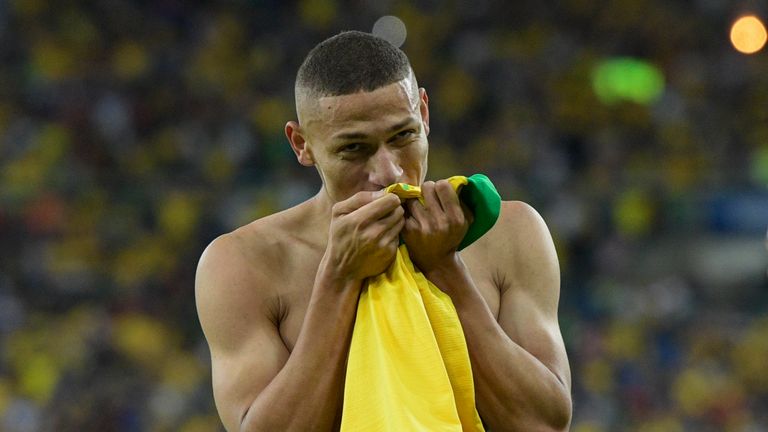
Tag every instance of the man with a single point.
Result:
(277, 298)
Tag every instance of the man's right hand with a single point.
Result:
(364, 235)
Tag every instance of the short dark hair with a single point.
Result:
(350, 62)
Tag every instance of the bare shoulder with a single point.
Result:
(255, 250)
(519, 218)
(521, 247)
(232, 284)
(236, 277)
(518, 228)
(246, 251)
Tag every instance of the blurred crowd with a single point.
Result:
(132, 133)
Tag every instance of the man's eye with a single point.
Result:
(403, 135)
(351, 147)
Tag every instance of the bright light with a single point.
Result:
(748, 34)
(627, 79)
(390, 28)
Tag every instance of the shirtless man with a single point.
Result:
(277, 298)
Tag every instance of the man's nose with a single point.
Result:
(385, 167)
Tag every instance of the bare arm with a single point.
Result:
(519, 363)
(520, 368)
(258, 385)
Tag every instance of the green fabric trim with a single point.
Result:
(480, 195)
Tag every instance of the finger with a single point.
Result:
(390, 218)
(374, 229)
(377, 208)
(392, 232)
(356, 201)
(380, 208)
(384, 230)
(412, 225)
(431, 202)
(449, 200)
(416, 209)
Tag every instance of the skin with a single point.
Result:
(277, 298)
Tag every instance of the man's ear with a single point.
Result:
(299, 143)
(424, 109)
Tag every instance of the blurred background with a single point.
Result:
(132, 133)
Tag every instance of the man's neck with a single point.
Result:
(320, 212)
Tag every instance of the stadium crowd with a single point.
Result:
(133, 133)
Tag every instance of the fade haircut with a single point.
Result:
(350, 62)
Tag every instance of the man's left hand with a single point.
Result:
(434, 230)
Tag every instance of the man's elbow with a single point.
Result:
(553, 415)
(559, 418)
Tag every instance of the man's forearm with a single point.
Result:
(306, 394)
(514, 390)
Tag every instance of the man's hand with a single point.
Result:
(364, 234)
(434, 230)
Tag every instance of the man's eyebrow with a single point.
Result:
(402, 124)
(361, 135)
(351, 136)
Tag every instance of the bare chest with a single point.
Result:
(296, 291)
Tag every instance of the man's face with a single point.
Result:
(366, 141)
